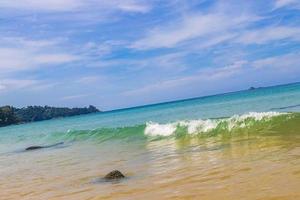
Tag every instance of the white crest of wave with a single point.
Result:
(204, 126)
(256, 116)
(196, 126)
(155, 129)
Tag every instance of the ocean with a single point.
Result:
(239, 145)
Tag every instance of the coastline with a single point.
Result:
(15, 116)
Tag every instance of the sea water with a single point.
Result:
(240, 145)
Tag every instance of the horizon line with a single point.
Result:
(198, 97)
(167, 102)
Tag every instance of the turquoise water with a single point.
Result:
(285, 98)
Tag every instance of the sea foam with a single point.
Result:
(208, 125)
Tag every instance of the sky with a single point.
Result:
(123, 53)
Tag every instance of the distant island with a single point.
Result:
(10, 115)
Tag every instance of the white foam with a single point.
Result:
(155, 129)
(196, 126)
(204, 126)
(239, 120)
(257, 116)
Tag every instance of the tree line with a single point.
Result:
(10, 115)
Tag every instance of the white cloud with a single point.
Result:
(209, 42)
(211, 28)
(283, 62)
(188, 28)
(202, 76)
(171, 62)
(284, 3)
(100, 49)
(42, 5)
(12, 84)
(75, 5)
(71, 97)
(19, 54)
(285, 67)
(220, 24)
(133, 6)
(29, 43)
(91, 79)
(54, 58)
(14, 59)
(265, 35)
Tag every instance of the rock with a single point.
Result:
(42, 147)
(114, 175)
(33, 148)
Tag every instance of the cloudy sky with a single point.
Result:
(123, 53)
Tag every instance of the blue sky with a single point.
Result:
(123, 53)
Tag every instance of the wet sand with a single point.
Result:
(262, 168)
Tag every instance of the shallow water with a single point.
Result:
(180, 150)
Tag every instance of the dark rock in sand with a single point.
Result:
(114, 175)
(42, 147)
(33, 148)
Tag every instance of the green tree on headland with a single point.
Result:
(7, 116)
(10, 115)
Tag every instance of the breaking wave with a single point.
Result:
(230, 124)
(252, 123)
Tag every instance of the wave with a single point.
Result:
(251, 123)
(200, 126)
